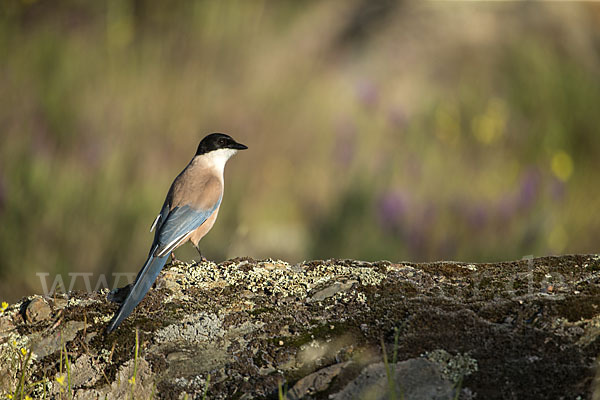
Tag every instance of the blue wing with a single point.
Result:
(178, 224)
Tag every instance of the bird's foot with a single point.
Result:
(202, 258)
(174, 259)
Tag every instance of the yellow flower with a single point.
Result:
(14, 343)
(562, 165)
(61, 379)
(4, 306)
(27, 397)
(9, 396)
(132, 380)
(23, 351)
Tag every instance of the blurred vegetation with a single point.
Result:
(377, 130)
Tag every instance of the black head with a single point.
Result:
(216, 141)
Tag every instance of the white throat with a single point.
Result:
(218, 158)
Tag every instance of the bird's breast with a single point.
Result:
(203, 229)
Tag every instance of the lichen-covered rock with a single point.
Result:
(318, 381)
(37, 310)
(415, 379)
(245, 328)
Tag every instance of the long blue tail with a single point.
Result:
(142, 284)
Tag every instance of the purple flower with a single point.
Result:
(529, 189)
(392, 207)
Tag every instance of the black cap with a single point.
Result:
(216, 141)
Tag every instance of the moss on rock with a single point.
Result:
(523, 329)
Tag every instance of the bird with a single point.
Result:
(188, 213)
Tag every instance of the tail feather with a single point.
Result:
(142, 284)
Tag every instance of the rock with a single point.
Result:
(317, 328)
(60, 303)
(415, 379)
(6, 325)
(44, 345)
(316, 382)
(453, 367)
(331, 291)
(85, 372)
(38, 310)
(168, 280)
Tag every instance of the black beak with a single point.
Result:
(238, 146)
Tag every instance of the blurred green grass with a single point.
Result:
(401, 131)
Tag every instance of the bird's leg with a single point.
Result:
(173, 258)
(202, 258)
